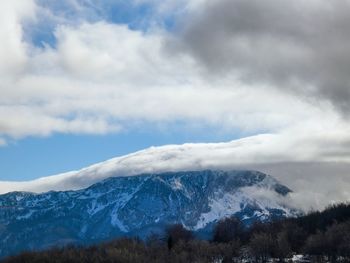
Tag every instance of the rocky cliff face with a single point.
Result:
(137, 206)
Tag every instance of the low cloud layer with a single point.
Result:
(315, 184)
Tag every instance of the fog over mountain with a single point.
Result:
(310, 181)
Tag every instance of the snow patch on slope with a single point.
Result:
(227, 205)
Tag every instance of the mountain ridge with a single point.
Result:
(137, 205)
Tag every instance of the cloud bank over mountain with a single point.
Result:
(308, 180)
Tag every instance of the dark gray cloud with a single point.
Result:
(299, 46)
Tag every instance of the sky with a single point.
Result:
(82, 81)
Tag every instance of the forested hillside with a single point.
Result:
(320, 236)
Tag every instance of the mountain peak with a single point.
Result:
(138, 205)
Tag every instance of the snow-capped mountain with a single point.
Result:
(137, 205)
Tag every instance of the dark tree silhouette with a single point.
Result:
(177, 232)
(228, 229)
(262, 246)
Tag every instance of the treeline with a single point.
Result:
(322, 236)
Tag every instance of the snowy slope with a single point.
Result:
(137, 205)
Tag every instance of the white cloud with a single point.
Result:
(110, 75)
(113, 75)
(13, 50)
